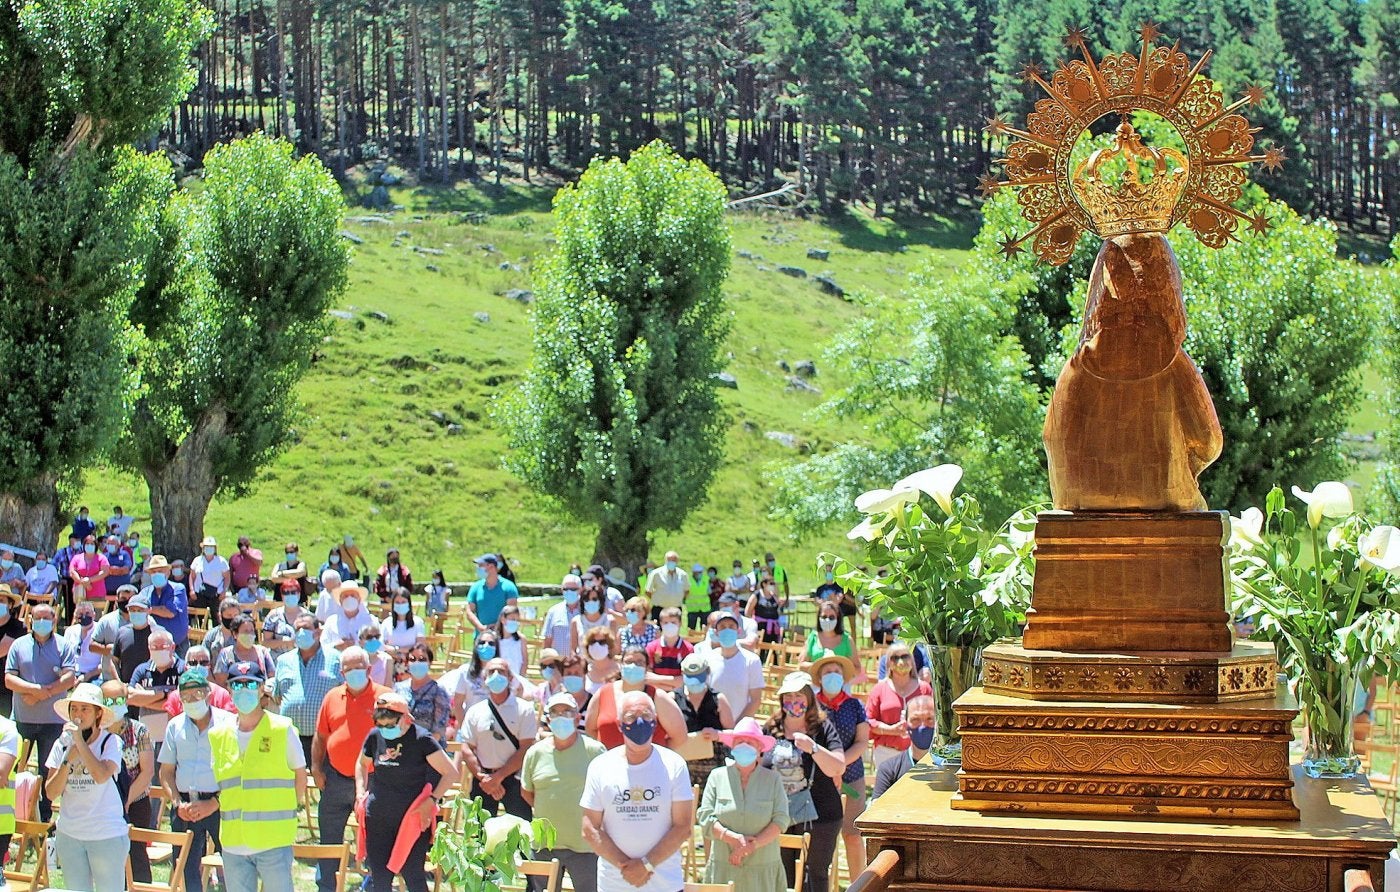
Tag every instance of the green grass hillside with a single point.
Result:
(398, 445)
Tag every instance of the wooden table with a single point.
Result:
(941, 848)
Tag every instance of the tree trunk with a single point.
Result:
(29, 517)
(182, 489)
(621, 547)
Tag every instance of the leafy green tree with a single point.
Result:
(1385, 495)
(78, 79)
(618, 419)
(934, 378)
(1278, 325)
(231, 328)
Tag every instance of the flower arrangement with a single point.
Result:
(485, 855)
(953, 583)
(1324, 589)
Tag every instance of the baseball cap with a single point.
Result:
(563, 698)
(246, 670)
(489, 559)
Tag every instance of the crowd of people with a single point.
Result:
(232, 692)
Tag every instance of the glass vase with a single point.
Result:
(954, 670)
(1329, 707)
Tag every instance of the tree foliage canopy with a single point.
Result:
(618, 418)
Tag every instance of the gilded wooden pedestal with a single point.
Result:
(1227, 760)
(1113, 583)
(1341, 826)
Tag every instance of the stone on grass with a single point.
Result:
(828, 285)
(521, 296)
(351, 237)
(801, 385)
(806, 368)
(483, 318)
(788, 440)
(818, 253)
(724, 379)
(796, 272)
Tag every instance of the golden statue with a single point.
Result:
(1130, 425)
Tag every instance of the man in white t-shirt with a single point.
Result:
(638, 807)
(735, 672)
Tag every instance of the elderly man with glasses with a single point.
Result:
(187, 769)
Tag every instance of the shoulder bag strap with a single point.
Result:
(514, 741)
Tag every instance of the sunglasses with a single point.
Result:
(901, 658)
(419, 660)
(113, 701)
(245, 685)
(196, 662)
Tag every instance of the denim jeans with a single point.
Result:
(94, 865)
(273, 867)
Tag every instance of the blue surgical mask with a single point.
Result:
(639, 731)
(372, 646)
(828, 623)
(695, 685)
(670, 565)
(922, 738)
(480, 572)
(139, 620)
(830, 576)
(573, 683)
(633, 616)
(418, 670)
(392, 733)
(571, 596)
(305, 638)
(4, 611)
(197, 709)
(291, 599)
(633, 674)
(562, 726)
(832, 682)
(158, 580)
(292, 557)
(744, 755)
(43, 627)
(39, 565)
(548, 673)
(496, 682)
(357, 678)
(402, 609)
(245, 701)
(486, 651)
(728, 637)
(511, 626)
(592, 607)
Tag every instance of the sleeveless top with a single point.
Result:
(698, 718)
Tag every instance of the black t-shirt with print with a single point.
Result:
(401, 770)
(799, 770)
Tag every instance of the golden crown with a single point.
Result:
(1128, 187)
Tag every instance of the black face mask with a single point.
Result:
(227, 621)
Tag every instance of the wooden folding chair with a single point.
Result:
(315, 853)
(801, 844)
(179, 844)
(30, 836)
(551, 871)
(710, 887)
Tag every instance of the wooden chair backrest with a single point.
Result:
(31, 836)
(800, 842)
(180, 850)
(312, 852)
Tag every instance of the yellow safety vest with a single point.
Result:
(699, 597)
(257, 791)
(7, 795)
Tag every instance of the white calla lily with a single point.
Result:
(876, 501)
(497, 829)
(864, 531)
(1246, 531)
(1329, 499)
(938, 482)
(1381, 548)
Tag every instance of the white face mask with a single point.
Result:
(598, 650)
(350, 605)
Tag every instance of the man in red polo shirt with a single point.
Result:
(345, 720)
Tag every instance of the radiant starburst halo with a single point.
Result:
(1198, 187)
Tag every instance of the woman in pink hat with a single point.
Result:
(743, 810)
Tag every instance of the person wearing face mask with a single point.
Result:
(293, 567)
(381, 664)
(220, 634)
(120, 562)
(809, 759)
(438, 595)
(495, 735)
(573, 679)
(280, 624)
(120, 522)
(343, 629)
(738, 584)
(552, 680)
(42, 578)
(743, 811)
(667, 585)
(666, 653)
(83, 524)
(766, 609)
(139, 760)
(198, 660)
(133, 644)
(169, 602)
(12, 628)
(152, 683)
(920, 721)
(391, 576)
(469, 687)
(833, 673)
(246, 561)
(211, 578)
(557, 629)
(244, 649)
(593, 616)
(88, 572)
(402, 628)
(514, 648)
(697, 598)
(489, 593)
(638, 847)
(62, 558)
(706, 713)
(345, 720)
(262, 777)
(187, 770)
(328, 601)
(602, 713)
(638, 630)
(335, 562)
(430, 704)
(885, 704)
(40, 669)
(104, 634)
(735, 672)
(90, 837)
(830, 636)
(302, 678)
(730, 603)
(402, 775)
(551, 782)
(600, 648)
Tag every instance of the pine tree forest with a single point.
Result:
(874, 101)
